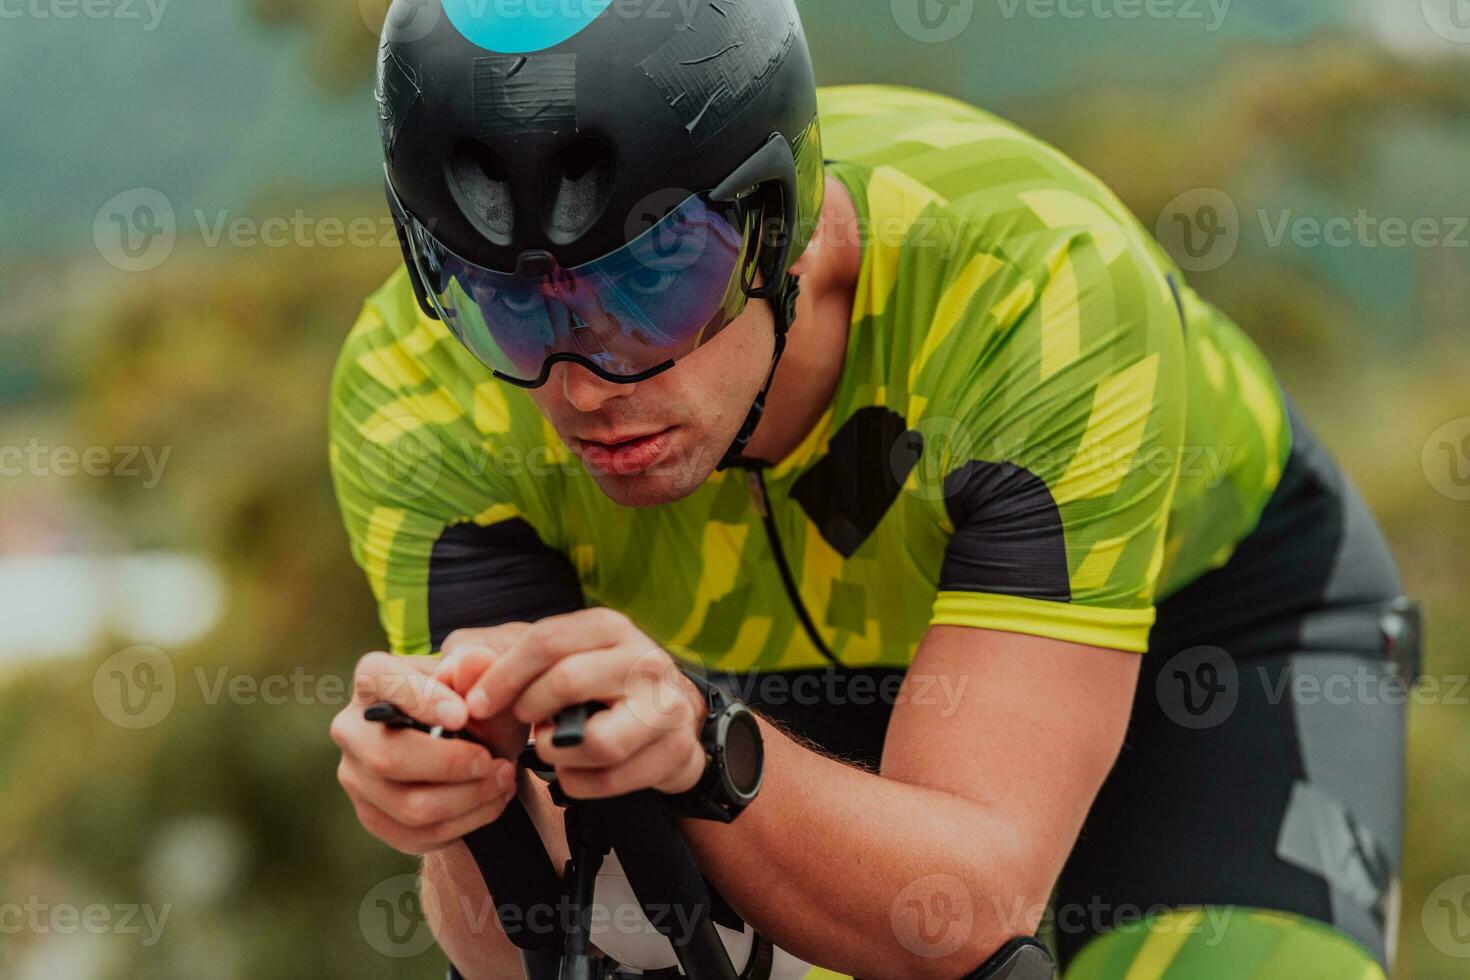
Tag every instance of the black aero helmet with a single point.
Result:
(599, 181)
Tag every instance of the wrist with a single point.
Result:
(731, 757)
(698, 701)
(694, 769)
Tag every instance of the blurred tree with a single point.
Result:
(223, 356)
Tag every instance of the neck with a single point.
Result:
(816, 346)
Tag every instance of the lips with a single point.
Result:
(625, 456)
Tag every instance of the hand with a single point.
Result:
(417, 794)
(467, 654)
(647, 739)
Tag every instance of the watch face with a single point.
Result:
(744, 753)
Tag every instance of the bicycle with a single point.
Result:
(664, 876)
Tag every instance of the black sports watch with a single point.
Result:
(732, 741)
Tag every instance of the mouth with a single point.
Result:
(625, 456)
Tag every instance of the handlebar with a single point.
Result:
(661, 870)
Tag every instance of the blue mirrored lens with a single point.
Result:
(626, 314)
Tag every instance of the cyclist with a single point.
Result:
(1010, 539)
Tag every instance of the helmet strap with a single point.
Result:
(785, 308)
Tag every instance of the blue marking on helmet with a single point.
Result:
(522, 26)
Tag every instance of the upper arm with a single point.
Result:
(1057, 499)
(445, 537)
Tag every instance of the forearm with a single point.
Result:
(459, 908)
(461, 914)
(834, 865)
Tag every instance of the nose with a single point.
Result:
(585, 391)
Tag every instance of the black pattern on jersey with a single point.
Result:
(847, 492)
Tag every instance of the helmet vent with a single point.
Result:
(483, 185)
(579, 182)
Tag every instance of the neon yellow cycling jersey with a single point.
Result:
(1039, 428)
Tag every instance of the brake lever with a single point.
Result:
(396, 718)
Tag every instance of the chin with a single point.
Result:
(641, 490)
(662, 485)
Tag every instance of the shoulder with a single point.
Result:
(416, 422)
(1020, 307)
(1001, 187)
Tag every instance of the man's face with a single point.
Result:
(657, 441)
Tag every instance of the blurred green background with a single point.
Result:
(191, 222)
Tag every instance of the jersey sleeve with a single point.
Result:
(1061, 462)
(444, 536)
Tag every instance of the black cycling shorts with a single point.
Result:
(1264, 763)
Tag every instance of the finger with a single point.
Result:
(539, 647)
(423, 840)
(464, 666)
(612, 737)
(425, 804)
(452, 830)
(667, 762)
(602, 675)
(500, 637)
(408, 683)
(409, 756)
